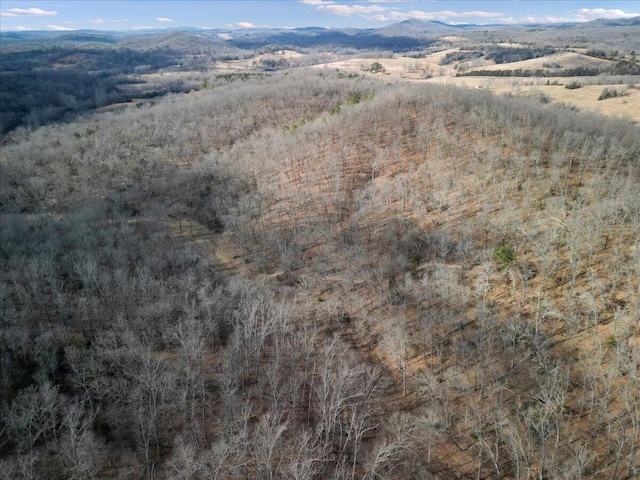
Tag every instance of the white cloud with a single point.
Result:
(378, 13)
(446, 14)
(27, 12)
(164, 19)
(349, 10)
(59, 28)
(245, 25)
(317, 2)
(373, 10)
(481, 14)
(143, 27)
(542, 19)
(379, 18)
(100, 21)
(442, 16)
(586, 14)
(331, 2)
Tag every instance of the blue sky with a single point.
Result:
(147, 14)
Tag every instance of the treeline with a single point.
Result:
(498, 54)
(538, 72)
(271, 64)
(620, 68)
(516, 54)
(460, 56)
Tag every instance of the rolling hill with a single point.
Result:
(319, 275)
(320, 253)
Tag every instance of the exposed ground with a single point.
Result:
(394, 176)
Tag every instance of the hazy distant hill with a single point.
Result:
(416, 29)
(400, 36)
(334, 38)
(618, 22)
(177, 41)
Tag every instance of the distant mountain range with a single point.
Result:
(399, 36)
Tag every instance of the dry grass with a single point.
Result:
(396, 67)
(245, 65)
(586, 98)
(563, 59)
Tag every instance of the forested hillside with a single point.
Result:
(54, 79)
(317, 275)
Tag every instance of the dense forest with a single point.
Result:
(316, 275)
(44, 84)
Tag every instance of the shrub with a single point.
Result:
(573, 85)
(504, 255)
(544, 98)
(610, 93)
(354, 98)
(376, 67)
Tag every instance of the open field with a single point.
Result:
(585, 98)
(396, 67)
(251, 64)
(561, 59)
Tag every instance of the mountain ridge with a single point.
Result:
(406, 27)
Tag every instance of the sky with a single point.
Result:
(154, 14)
